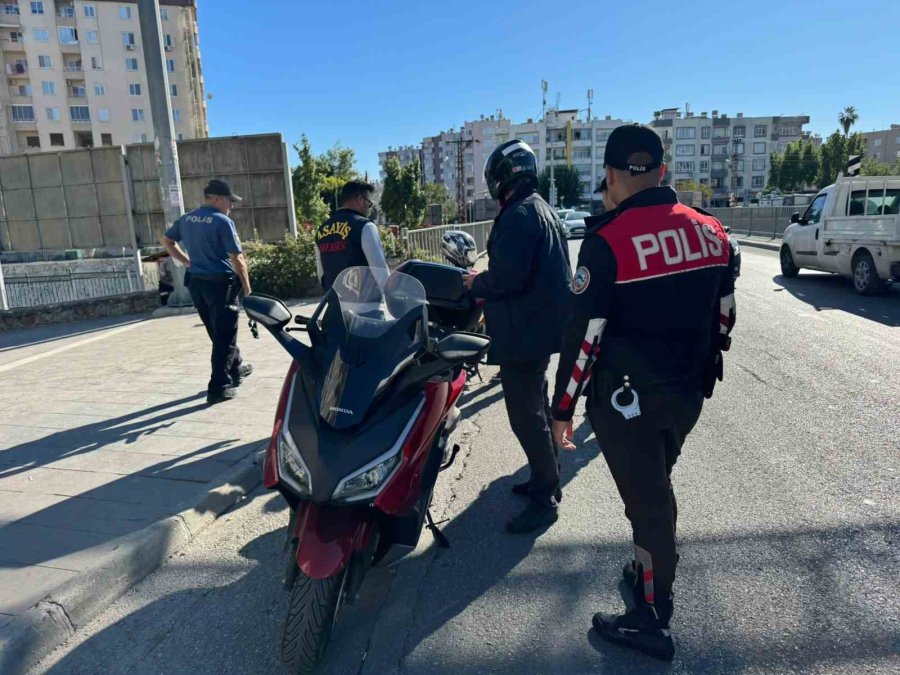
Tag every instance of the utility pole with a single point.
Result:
(590, 96)
(163, 131)
(553, 195)
(734, 169)
(544, 103)
(461, 144)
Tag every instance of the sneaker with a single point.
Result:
(638, 629)
(220, 395)
(524, 490)
(243, 372)
(534, 517)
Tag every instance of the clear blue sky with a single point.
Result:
(373, 74)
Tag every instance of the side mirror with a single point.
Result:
(270, 312)
(795, 217)
(463, 347)
(727, 229)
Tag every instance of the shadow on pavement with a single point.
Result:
(30, 337)
(825, 292)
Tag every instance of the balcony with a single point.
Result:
(65, 15)
(718, 173)
(76, 92)
(7, 44)
(74, 67)
(16, 68)
(8, 18)
(70, 47)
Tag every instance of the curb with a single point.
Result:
(54, 620)
(773, 245)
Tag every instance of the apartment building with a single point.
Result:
(730, 154)
(75, 75)
(406, 154)
(884, 145)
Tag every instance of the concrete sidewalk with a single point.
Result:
(104, 430)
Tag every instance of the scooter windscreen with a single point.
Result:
(377, 325)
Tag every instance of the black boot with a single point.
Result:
(219, 395)
(534, 517)
(240, 374)
(524, 489)
(640, 628)
(629, 575)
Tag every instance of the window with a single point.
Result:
(128, 39)
(720, 132)
(33, 141)
(685, 150)
(167, 42)
(174, 89)
(143, 139)
(22, 113)
(739, 131)
(875, 203)
(45, 62)
(137, 114)
(125, 13)
(716, 183)
(718, 166)
(16, 37)
(131, 64)
(704, 167)
(9, 9)
(105, 139)
(103, 114)
(705, 149)
(79, 113)
(739, 148)
(684, 167)
(67, 36)
(739, 165)
(582, 153)
(814, 211)
(758, 182)
(73, 66)
(65, 12)
(877, 142)
(57, 140)
(90, 11)
(134, 89)
(37, 7)
(170, 64)
(759, 164)
(24, 90)
(602, 135)
(53, 115)
(685, 133)
(759, 148)
(897, 140)
(705, 132)
(100, 89)
(41, 35)
(96, 63)
(738, 181)
(164, 13)
(93, 37)
(48, 88)
(720, 150)
(760, 130)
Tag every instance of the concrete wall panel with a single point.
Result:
(14, 173)
(106, 164)
(45, 170)
(50, 202)
(24, 235)
(228, 157)
(264, 153)
(111, 199)
(115, 231)
(81, 201)
(86, 232)
(19, 205)
(55, 233)
(77, 167)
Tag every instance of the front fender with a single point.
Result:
(329, 535)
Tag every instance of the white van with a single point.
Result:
(850, 228)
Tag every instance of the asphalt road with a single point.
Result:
(789, 526)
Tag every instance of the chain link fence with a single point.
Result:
(426, 242)
(759, 221)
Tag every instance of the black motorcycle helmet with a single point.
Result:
(509, 162)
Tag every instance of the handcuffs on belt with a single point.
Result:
(631, 410)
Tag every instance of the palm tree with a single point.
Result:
(848, 118)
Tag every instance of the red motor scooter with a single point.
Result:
(362, 429)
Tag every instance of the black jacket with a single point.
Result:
(653, 299)
(339, 240)
(526, 284)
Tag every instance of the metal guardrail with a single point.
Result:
(759, 221)
(30, 290)
(427, 240)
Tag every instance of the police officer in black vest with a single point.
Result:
(349, 238)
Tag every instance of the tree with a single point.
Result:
(436, 193)
(307, 182)
(568, 185)
(402, 201)
(776, 163)
(872, 167)
(694, 186)
(809, 163)
(847, 118)
(336, 166)
(834, 153)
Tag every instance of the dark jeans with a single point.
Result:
(528, 407)
(211, 300)
(641, 453)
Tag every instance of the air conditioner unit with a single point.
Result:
(129, 47)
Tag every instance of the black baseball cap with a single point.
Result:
(220, 188)
(629, 139)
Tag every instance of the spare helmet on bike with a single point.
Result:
(459, 248)
(510, 163)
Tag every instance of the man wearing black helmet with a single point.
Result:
(653, 308)
(525, 289)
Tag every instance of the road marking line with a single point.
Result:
(60, 350)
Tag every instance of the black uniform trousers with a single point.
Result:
(213, 297)
(641, 453)
(528, 408)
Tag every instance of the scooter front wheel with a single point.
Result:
(312, 612)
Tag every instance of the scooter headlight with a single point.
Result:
(292, 468)
(366, 482)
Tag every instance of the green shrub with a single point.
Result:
(286, 269)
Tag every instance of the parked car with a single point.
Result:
(573, 223)
(850, 228)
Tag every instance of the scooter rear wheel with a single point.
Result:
(311, 615)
